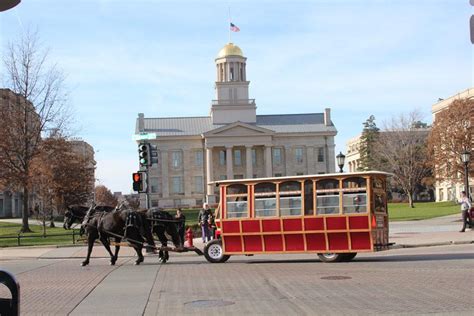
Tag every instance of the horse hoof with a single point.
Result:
(112, 263)
(83, 264)
(137, 263)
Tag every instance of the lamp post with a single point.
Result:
(8, 4)
(340, 161)
(465, 157)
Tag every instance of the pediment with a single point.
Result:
(238, 129)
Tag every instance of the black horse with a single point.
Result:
(163, 222)
(101, 223)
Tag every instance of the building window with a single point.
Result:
(154, 203)
(155, 185)
(222, 157)
(231, 73)
(222, 177)
(277, 156)
(198, 184)
(254, 157)
(278, 174)
(198, 158)
(237, 157)
(177, 185)
(238, 176)
(321, 154)
(299, 173)
(299, 156)
(177, 159)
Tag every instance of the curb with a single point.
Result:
(434, 244)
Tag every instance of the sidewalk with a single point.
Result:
(432, 232)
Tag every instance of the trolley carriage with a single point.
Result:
(335, 216)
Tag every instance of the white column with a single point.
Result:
(229, 163)
(187, 178)
(209, 171)
(248, 161)
(310, 163)
(165, 187)
(289, 161)
(268, 161)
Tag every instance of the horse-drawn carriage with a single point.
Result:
(334, 216)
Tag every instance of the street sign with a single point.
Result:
(144, 136)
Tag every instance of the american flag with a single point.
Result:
(234, 28)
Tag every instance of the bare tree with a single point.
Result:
(29, 75)
(452, 133)
(402, 150)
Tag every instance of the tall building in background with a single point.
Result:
(233, 142)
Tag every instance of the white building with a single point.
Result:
(233, 141)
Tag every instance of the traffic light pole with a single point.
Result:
(147, 194)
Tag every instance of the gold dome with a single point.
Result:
(230, 50)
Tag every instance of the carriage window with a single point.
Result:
(327, 199)
(290, 198)
(354, 202)
(265, 199)
(308, 198)
(236, 201)
(354, 198)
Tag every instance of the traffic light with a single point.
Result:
(139, 182)
(144, 154)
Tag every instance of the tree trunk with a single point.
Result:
(25, 227)
(410, 200)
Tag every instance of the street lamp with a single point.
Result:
(8, 4)
(340, 161)
(465, 157)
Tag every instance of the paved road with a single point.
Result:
(401, 281)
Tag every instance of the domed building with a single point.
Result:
(233, 141)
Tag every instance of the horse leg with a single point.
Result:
(117, 248)
(106, 243)
(90, 244)
(138, 247)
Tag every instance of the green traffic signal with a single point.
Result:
(144, 154)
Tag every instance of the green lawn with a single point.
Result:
(36, 237)
(402, 212)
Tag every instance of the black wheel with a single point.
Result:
(331, 257)
(346, 257)
(214, 252)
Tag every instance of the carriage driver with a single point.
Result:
(203, 219)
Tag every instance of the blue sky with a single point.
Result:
(157, 57)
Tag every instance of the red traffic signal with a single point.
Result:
(139, 182)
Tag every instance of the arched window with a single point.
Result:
(290, 198)
(354, 195)
(327, 196)
(236, 201)
(265, 199)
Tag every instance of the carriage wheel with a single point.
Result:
(331, 257)
(348, 256)
(214, 252)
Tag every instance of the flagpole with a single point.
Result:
(228, 25)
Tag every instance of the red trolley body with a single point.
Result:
(333, 215)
